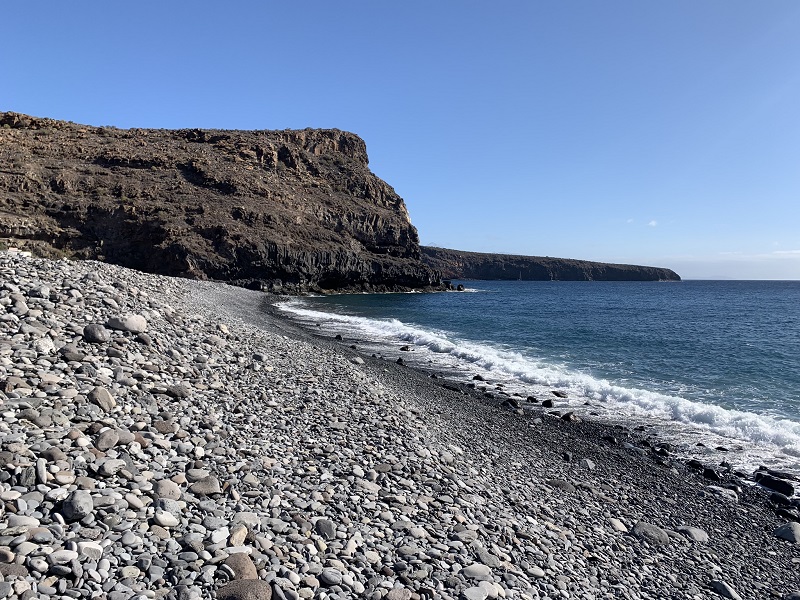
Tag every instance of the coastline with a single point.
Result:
(672, 400)
(350, 475)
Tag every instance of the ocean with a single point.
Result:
(707, 363)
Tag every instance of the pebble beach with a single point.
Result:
(168, 438)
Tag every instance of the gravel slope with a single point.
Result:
(200, 447)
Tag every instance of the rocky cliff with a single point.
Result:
(456, 264)
(283, 210)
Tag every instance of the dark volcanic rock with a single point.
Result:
(457, 264)
(283, 210)
(775, 484)
(650, 533)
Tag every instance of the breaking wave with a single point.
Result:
(771, 434)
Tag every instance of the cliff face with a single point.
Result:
(284, 210)
(455, 264)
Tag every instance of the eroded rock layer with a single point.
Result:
(284, 210)
(457, 264)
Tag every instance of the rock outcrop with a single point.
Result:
(282, 210)
(457, 264)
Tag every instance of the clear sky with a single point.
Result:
(637, 131)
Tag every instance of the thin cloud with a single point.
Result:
(786, 252)
(653, 223)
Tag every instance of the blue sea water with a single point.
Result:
(717, 361)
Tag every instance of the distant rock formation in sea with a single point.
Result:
(458, 264)
(291, 210)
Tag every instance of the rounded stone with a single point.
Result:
(330, 577)
(238, 534)
(165, 488)
(77, 505)
(207, 486)
(106, 440)
(477, 571)
(475, 593)
(325, 528)
(693, 533)
(245, 589)
(650, 533)
(131, 323)
(61, 557)
(165, 519)
(131, 572)
(96, 334)
(242, 566)
(101, 397)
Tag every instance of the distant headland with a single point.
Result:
(458, 264)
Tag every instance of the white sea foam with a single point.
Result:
(770, 434)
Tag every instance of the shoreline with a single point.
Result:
(403, 488)
(476, 364)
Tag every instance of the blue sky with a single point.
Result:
(663, 133)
